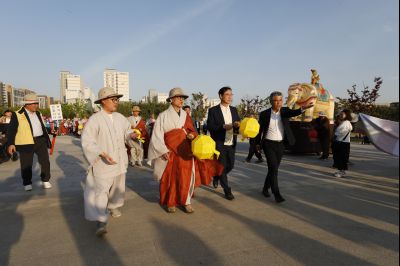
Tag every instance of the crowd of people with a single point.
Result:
(112, 142)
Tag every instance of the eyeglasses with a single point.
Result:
(115, 100)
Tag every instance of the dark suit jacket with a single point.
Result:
(215, 123)
(13, 128)
(265, 118)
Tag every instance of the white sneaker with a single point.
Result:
(46, 185)
(343, 173)
(28, 187)
(338, 174)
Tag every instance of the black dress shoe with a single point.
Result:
(229, 196)
(266, 193)
(14, 157)
(215, 183)
(279, 199)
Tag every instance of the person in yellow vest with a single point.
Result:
(27, 135)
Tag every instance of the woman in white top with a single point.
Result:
(341, 145)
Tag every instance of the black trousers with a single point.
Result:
(253, 150)
(273, 152)
(26, 160)
(341, 154)
(227, 159)
(325, 144)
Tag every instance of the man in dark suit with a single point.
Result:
(223, 123)
(274, 129)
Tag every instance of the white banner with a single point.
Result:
(384, 134)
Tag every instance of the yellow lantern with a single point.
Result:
(249, 128)
(137, 131)
(203, 147)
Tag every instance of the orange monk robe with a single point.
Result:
(141, 126)
(184, 172)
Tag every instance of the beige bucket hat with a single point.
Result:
(30, 99)
(175, 92)
(136, 108)
(106, 93)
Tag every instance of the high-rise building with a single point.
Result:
(152, 96)
(162, 97)
(144, 99)
(3, 95)
(43, 101)
(63, 84)
(213, 102)
(89, 95)
(119, 81)
(17, 95)
(156, 97)
(74, 91)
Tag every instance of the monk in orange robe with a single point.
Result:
(178, 171)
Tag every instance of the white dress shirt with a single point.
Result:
(226, 112)
(36, 124)
(275, 130)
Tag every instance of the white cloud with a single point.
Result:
(159, 30)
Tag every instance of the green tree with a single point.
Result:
(67, 110)
(252, 106)
(363, 102)
(198, 106)
(147, 109)
(45, 112)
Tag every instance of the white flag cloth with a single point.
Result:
(384, 134)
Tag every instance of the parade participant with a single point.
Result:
(150, 124)
(187, 109)
(253, 150)
(136, 146)
(27, 134)
(341, 143)
(6, 118)
(274, 129)
(222, 120)
(178, 171)
(323, 130)
(103, 144)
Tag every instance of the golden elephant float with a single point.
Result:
(301, 94)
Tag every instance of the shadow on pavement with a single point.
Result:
(93, 250)
(303, 249)
(12, 196)
(180, 244)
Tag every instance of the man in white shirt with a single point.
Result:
(274, 129)
(27, 135)
(223, 123)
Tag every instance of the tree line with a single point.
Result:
(359, 102)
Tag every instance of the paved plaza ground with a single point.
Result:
(325, 220)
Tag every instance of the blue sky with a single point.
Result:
(253, 46)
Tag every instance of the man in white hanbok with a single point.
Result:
(103, 143)
(136, 146)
